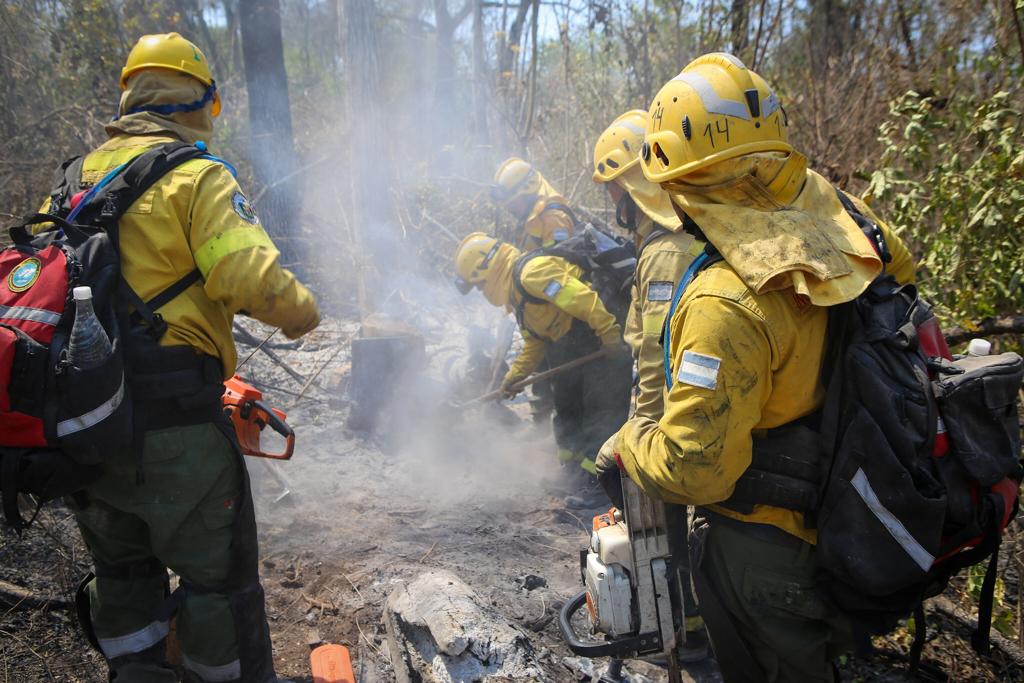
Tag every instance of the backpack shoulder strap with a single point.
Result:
(517, 276)
(559, 206)
(706, 259)
(655, 234)
(524, 296)
(67, 181)
(867, 226)
(107, 201)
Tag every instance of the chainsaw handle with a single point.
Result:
(275, 422)
(624, 648)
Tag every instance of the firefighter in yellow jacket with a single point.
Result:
(745, 347)
(561, 318)
(544, 216)
(664, 250)
(183, 502)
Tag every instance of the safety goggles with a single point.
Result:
(465, 286)
(501, 194)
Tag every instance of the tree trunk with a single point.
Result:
(448, 116)
(270, 122)
(738, 17)
(378, 244)
(828, 35)
(479, 69)
(507, 59)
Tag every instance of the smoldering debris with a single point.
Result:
(439, 631)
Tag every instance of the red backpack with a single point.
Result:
(59, 422)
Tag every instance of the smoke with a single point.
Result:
(383, 217)
(429, 452)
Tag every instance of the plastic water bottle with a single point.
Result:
(89, 345)
(604, 242)
(979, 347)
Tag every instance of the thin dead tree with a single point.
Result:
(270, 121)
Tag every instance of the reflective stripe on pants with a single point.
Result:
(143, 639)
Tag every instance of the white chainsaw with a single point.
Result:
(633, 593)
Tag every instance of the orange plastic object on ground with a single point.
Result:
(331, 664)
(244, 404)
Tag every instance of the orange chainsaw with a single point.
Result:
(243, 403)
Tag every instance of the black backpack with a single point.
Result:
(608, 263)
(58, 423)
(917, 464)
(924, 472)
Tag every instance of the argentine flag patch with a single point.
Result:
(552, 289)
(660, 291)
(699, 370)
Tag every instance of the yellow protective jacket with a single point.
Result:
(744, 360)
(197, 217)
(545, 225)
(663, 259)
(566, 298)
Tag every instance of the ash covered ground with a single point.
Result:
(472, 492)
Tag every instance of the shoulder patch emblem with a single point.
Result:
(660, 290)
(24, 275)
(244, 209)
(560, 235)
(699, 370)
(552, 289)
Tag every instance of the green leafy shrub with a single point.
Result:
(951, 180)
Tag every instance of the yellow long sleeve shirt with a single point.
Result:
(565, 297)
(750, 362)
(661, 264)
(546, 226)
(197, 217)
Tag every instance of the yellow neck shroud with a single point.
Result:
(780, 225)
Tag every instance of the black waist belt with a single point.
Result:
(174, 386)
(165, 413)
(784, 471)
(761, 532)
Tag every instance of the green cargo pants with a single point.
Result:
(769, 591)
(181, 517)
(591, 401)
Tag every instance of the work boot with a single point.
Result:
(696, 648)
(588, 493)
(591, 500)
(565, 480)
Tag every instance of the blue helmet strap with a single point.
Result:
(167, 109)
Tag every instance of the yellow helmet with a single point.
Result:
(171, 51)
(715, 109)
(473, 258)
(618, 148)
(514, 178)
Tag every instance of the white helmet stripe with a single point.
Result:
(771, 105)
(632, 127)
(713, 104)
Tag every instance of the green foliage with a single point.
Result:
(1002, 616)
(952, 181)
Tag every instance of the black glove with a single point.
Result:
(507, 392)
(609, 474)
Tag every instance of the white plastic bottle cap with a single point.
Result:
(979, 347)
(82, 293)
